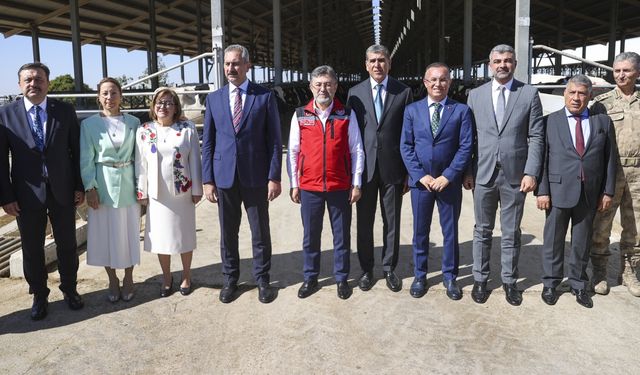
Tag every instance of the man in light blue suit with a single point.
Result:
(436, 146)
(241, 164)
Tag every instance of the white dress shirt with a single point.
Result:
(495, 91)
(586, 129)
(28, 106)
(355, 146)
(432, 108)
(232, 95)
(374, 90)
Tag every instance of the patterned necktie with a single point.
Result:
(435, 118)
(38, 131)
(500, 107)
(237, 109)
(378, 102)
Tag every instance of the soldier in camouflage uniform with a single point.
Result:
(622, 104)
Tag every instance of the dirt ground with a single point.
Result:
(372, 332)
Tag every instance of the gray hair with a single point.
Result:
(437, 64)
(244, 53)
(377, 48)
(633, 57)
(502, 48)
(324, 70)
(581, 80)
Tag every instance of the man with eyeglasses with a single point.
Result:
(325, 161)
(40, 178)
(241, 164)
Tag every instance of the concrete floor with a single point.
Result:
(372, 332)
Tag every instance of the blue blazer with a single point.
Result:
(255, 153)
(446, 154)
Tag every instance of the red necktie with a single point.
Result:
(579, 136)
(237, 110)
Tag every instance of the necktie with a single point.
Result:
(435, 118)
(38, 131)
(500, 107)
(579, 136)
(378, 102)
(237, 110)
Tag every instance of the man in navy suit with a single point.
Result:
(578, 178)
(436, 146)
(241, 164)
(40, 178)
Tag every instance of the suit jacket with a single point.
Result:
(255, 153)
(116, 186)
(381, 141)
(182, 175)
(519, 140)
(448, 153)
(21, 178)
(563, 165)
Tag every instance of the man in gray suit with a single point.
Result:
(506, 165)
(379, 105)
(579, 176)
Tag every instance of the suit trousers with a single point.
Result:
(390, 207)
(555, 232)
(449, 204)
(485, 204)
(312, 209)
(32, 224)
(256, 206)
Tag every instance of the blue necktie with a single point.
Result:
(435, 118)
(378, 102)
(38, 131)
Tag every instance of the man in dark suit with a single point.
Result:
(40, 178)
(379, 104)
(579, 177)
(508, 160)
(241, 164)
(436, 146)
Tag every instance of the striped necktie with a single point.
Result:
(237, 109)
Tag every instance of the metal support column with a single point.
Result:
(199, 39)
(468, 16)
(35, 42)
(182, 66)
(305, 47)
(613, 26)
(523, 20)
(76, 45)
(584, 56)
(441, 31)
(557, 68)
(217, 41)
(103, 54)
(277, 44)
(319, 33)
(153, 45)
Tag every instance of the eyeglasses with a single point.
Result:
(164, 104)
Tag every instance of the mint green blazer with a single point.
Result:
(116, 186)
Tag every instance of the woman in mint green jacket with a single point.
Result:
(107, 151)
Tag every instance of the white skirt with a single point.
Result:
(170, 225)
(113, 236)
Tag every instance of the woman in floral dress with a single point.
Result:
(169, 183)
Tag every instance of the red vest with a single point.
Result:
(324, 162)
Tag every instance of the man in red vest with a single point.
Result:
(325, 161)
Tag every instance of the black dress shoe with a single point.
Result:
(228, 293)
(366, 281)
(185, 290)
(266, 293)
(418, 288)
(308, 288)
(393, 281)
(512, 294)
(582, 297)
(39, 308)
(479, 293)
(344, 291)
(74, 300)
(453, 290)
(166, 292)
(549, 295)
